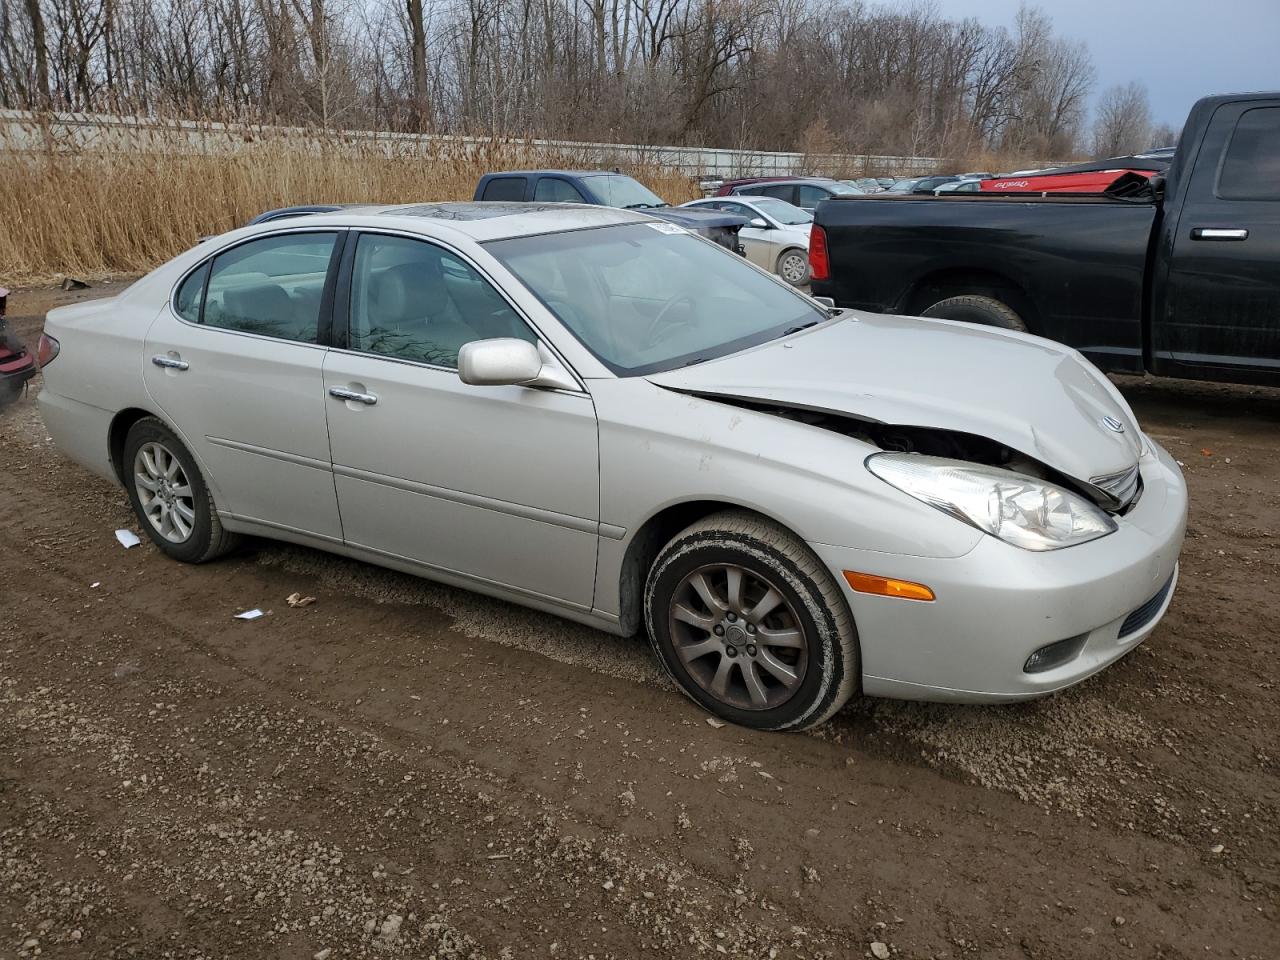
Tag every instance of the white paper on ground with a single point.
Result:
(253, 614)
(127, 538)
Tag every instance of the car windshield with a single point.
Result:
(647, 297)
(619, 190)
(782, 211)
(903, 186)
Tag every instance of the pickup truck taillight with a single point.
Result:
(46, 350)
(819, 263)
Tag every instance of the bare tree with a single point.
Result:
(1123, 121)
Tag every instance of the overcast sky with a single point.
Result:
(1181, 49)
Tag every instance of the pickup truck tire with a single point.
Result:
(793, 267)
(976, 309)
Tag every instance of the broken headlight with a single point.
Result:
(1017, 509)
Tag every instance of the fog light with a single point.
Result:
(1055, 654)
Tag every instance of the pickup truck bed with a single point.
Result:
(1092, 300)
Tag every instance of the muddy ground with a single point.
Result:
(403, 769)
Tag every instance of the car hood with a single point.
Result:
(1032, 395)
(695, 219)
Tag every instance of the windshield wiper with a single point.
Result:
(796, 329)
(695, 360)
(640, 206)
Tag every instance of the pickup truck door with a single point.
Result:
(1221, 300)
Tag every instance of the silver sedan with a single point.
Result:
(595, 413)
(776, 236)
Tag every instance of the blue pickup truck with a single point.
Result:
(605, 189)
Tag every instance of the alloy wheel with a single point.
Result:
(738, 637)
(164, 492)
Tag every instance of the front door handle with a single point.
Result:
(1219, 233)
(342, 393)
(169, 363)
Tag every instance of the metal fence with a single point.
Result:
(30, 132)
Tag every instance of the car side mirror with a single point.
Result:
(760, 223)
(507, 361)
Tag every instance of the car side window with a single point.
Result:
(504, 188)
(271, 286)
(783, 192)
(413, 300)
(810, 196)
(555, 190)
(1251, 168)
(190, 294)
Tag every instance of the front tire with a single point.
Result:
(793, 267)
(750, 625)
(170, 497)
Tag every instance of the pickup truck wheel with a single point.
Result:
(793, 267)
(976, 309)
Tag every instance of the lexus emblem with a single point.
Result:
(1112, 424)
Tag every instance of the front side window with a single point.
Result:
(271, 286)
(1251, 168)
(555, 190)
(415, 301)
(784, 212)
(648, 297)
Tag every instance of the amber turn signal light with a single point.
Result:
(888, 586)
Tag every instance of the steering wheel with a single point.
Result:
(656, 324)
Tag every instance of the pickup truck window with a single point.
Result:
(1251, 168)
(504, 188)
(555, 190)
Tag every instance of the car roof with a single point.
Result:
(559, 173)
(478, 219)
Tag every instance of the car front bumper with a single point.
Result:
(998, 604)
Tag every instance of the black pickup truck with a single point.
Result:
(1182, 279)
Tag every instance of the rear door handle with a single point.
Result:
(1219, 233)
(171, 363)
(342, 393)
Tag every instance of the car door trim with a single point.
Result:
(287, 457)
(537, 514)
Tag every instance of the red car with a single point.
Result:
(1090, 181)
(17, 366)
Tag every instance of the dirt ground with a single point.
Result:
(407, 770)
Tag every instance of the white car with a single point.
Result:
(776, 236)
(599, 414)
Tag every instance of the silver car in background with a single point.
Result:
(594, 413)
(776, 236)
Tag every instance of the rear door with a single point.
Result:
(1221, 304)
(235, 364)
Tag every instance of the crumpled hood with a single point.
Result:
(1032, 395)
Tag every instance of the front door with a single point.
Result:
(1222, 293)
(757, 244)
(235, 365)
(500, 484)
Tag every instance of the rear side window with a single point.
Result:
(554, 190)
(191, 295)
(504, 188)
(271, 286)
(1251, 168)
(812, 196)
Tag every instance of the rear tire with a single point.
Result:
(972, 308)
(793, 267)
(789, 667)
(170, 497)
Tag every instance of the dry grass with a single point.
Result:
(125, 207)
